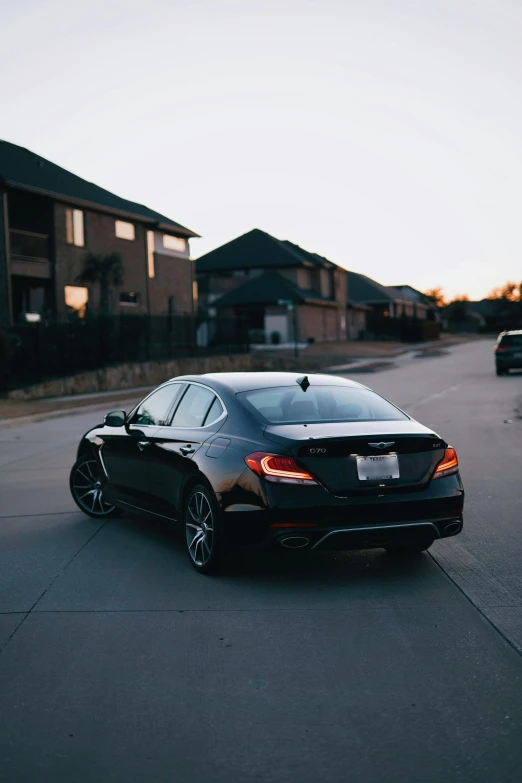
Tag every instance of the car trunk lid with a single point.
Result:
(331, 451)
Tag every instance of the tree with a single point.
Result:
(437, 295)
(458, 308)
(511, 292)
(104, 270)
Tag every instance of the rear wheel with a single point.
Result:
(85, 486)
(408, 549)
(202, 530)
(501, 371)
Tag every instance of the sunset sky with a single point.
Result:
(383, 134)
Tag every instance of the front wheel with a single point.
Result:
(202, 530)
(86, 489)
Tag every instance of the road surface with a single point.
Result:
(120, 663)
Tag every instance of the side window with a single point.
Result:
(194, 407)
(153, 411)
(216, 409)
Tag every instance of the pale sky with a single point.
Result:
(383, 134)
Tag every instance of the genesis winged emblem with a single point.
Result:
(382, 444)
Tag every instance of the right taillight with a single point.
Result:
(448, 465)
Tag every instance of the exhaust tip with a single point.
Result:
(295, 542)
(453, 527)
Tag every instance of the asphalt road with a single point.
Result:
(120, 663)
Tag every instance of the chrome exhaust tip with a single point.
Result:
(453, 527)
(295, 542)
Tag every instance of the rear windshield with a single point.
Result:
(511, 339)
(287, 405)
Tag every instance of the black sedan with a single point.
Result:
(242, 459)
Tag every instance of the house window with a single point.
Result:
(150, 253)
(174, 243)
(304, 278)
(76, 299)
(129, 299)
(326, 283)
(74, 233)
(124, 230)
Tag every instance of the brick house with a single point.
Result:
(387, 301)
(275, 287)
(50, 219)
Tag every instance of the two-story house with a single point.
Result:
(279, 290)
(50, 219)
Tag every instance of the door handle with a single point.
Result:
(142, 444)
(186, 450)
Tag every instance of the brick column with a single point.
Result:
(5, 278)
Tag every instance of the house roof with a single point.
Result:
(413, 294)
(362, 289)
(258, 250)
(268, 288)
(24, 169)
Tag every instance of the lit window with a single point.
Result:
(76, 299)
(150, 253)
(129, 299)
(174, 243)
(74, 233)
(124, 230)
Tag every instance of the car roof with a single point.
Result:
(511, 331)
(247, 381)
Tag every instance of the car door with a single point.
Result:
(198, 415)
(125, 449)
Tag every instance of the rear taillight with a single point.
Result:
(501, 348)
(448, 465)
(278, 468)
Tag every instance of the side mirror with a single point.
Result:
(115, 419)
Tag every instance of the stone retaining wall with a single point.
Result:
(127, 376)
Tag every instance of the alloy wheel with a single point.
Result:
(87, 489)
(199, 528)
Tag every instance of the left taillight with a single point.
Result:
(448, 465)
(278, 468)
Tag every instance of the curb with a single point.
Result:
(20, 421)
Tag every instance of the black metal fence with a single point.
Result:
(33, 352)
(408, 330)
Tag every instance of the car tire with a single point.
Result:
(86, 491)
(202, 527)
(501, 371)
(408, 549)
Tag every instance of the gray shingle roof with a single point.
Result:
(24, 169)
(367, 291)
(268, 288)
(258, 250)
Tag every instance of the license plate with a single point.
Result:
(378, 468)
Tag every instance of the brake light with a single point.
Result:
(448, 465)
(501, 348)
(278, 468)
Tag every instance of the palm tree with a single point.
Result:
(106, 270)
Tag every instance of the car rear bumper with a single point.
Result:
(369, 536)
(508, 363)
